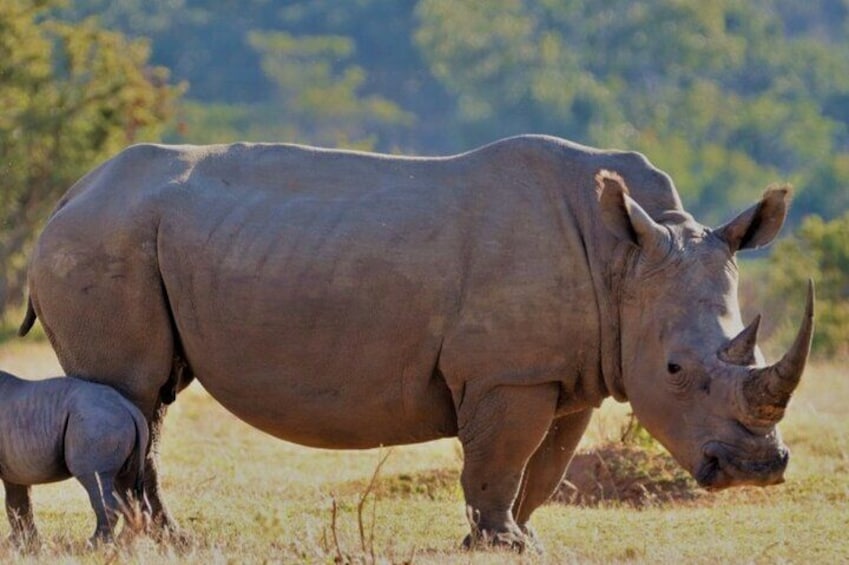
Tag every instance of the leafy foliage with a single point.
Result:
(818, 249)
(727, 96)
(317, 96)
(69, 96)
(715, 93)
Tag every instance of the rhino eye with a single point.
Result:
(673, 368)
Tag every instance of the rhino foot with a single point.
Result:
(100, 539)
(511, 540)
(26, 544)
(173, 535)
(533, 542)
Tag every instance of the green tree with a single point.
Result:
(818, 249)
(382, 32)
(203, 42)
(725, 95)
(70, 95)
(319, 96)
(717, 93)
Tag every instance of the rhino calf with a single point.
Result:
(57, 428)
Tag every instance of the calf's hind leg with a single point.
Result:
(499, 433)
(100, 488)
(19, 512)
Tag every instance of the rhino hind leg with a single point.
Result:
(104, 336)
(499, 433)
(133, 506)
(100, 487)
(108, 318)
(101, 300)
(19, 511)
(547, 466)
(161, 518)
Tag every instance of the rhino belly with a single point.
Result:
(33, 458)
(357, 416)
(309, 333)
(327, 388)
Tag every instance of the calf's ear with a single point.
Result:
(623, 217)
(759, 224)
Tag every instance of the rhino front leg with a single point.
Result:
(19, 512)
(548, 465)
(499, 434)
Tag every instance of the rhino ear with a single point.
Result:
(759, 224)
(623, 216)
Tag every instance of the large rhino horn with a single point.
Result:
(741, 349)
(767, 390)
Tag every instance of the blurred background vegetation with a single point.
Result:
(727, 96)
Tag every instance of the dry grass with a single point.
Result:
(247, 497)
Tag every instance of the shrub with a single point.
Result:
(820, 250)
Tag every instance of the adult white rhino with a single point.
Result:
(348, 300)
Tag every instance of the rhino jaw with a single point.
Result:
(723, 466)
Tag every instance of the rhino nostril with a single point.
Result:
(713, 450)
(708, 471)
(783, 459)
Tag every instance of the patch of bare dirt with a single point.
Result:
(433, 484)
(626, 474)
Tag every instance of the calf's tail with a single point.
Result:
(142, 438)
(136, 514)
(29, 319)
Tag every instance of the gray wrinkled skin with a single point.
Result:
(348, 300)
(59, 428)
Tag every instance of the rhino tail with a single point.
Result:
(29, 319)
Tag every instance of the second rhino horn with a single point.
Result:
(741, 349)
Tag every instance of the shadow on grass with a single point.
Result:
(433, 484)
(615, 473)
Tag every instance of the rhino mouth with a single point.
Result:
(724, 466)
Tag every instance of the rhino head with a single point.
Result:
(694, 375)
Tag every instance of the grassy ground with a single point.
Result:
(246, 497)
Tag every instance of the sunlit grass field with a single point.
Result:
(245, 497)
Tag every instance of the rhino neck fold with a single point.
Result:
(611, 329)
(608, 282)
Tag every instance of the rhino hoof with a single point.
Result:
(532, 541)
(173, 536)
(100, 539)
(27, 545)
(500, 540)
